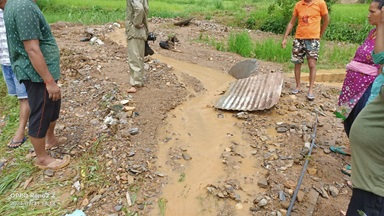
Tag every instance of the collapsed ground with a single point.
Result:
(111, 135)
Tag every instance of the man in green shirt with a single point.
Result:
(35, 59)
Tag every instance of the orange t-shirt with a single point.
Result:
(309, 17)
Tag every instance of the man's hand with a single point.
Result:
(284, 43)
(53, 91)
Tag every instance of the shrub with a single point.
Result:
(240, 43)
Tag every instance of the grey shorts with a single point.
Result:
(305, 47)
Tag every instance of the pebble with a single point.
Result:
(1, 164)
(333, 191)
(186, 156)
(290, 184)
(49, 173)
(263, 183)
(118, 207)
(300, 196)
(133, 131)
(262, 202)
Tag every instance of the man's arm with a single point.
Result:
(288, 30)
(32, 47)
(324, 26)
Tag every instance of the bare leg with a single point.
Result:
(42, 157)
(45, 161)
(51, 139)
(312, 74)
(23, 119)
(297, 76)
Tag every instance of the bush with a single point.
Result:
(240, 43)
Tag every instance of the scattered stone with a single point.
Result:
(242, 115)
(118, 207)
(300, 196)
(333, 191)
(263, 183)
(186, 156)
(285, 204)
(292, 109)
(133, 131)
(1, 164)
(290, 184)
(239, 206)
(49, 173)
(327, 150)
(96, 198)
(282, 129)
(95, 122)
(312, 171)
(281, 196)
(262, 202)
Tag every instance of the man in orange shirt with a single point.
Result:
(307, 38)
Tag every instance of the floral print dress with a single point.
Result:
(355, 83)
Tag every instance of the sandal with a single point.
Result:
(56, 164)
(295, 91)
(347, 170)
(15, 145)
(311, 97)
(341, 150)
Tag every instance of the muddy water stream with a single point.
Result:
(195, 128)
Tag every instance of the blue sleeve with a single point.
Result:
(378, 58)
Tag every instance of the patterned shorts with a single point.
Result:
(305, 47)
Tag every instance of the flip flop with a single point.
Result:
(15, 145)
(347, 169)
(340, 149)
(56, 164)
(295, 91)
(311, 97)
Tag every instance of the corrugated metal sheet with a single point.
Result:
(258, 92)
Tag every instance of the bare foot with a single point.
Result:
(132, 90)
(54, 142)
(51, 163)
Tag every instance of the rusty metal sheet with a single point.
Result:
(258, 92)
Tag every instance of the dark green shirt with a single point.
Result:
(24, 21)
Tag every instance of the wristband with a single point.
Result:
(50, 81)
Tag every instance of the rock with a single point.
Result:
(333, 191)
(300, 196)
(262, 202)
(327, 150)
(133, 131)
(94, 122)
(290, 184)
(281, 196)
(186, 156)
(1, 164)
(263, 183)
(118, 207)
(242, 115)
(239, 206)
(95, 198)
(285, 204)
(282, 129)
(312, 171)
(292, 109)
(49, 173)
